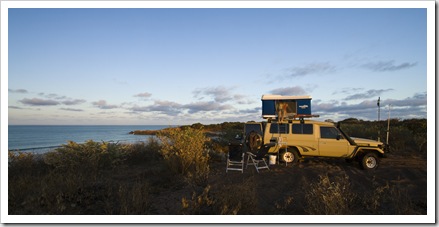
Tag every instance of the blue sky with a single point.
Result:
(183, 66)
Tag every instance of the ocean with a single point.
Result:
(43, 138)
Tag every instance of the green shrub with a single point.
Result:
(144, 153)
(25, 163)
(91, 178)
(404, 136)
(90, 157)
(185, 152)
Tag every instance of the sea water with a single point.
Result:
(41, 138)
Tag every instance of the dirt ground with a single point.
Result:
(283, 189)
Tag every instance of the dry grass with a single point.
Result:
(231, 199)
(330, 196)
(91, 178)
(336, 196)
(174, 176)
(389, 199)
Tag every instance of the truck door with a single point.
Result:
(332, 143)
(304, 139)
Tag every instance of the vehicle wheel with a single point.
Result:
(254, 141)
(369, 161)
(289, 157)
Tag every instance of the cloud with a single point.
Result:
(346, 91)
(21, 91)
(313, 68)
(174, 109)
(206, 106)
(15, 107)
(409, 107)
(368, 94)
(73, 102)
(102, 104)
(143, 95)
(383, 66)
(418, 99)
(39, 102)
(296, 90)
(220, 94)
(256, 110)
(62, 99)
(165, 107)
(55, 96)
(72, 109)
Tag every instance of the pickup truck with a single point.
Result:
(297, 139)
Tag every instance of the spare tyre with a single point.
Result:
(254, 141)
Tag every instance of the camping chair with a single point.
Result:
(235, 157)
(259, 157)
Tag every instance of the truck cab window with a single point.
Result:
(279, 128)
(303, 129)
(328, 132)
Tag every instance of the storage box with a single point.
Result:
(285, 107)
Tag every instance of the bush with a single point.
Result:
(227, 199)
(405, 136)
(25, 163)
(91, 178)
(88, 158)
(390, 199)
(330, 196)
(144, 153)
(185, 152)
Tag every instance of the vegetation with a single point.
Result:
(181, 171)
(405, 135)
(185, 152)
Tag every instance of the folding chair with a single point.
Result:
(235, 157)
(259, 157)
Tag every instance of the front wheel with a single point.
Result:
(369, 161)
(289, 157)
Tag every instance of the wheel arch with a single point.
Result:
(363, 151)
(294, 148)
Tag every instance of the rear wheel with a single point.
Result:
(369, 161)
(289, 156)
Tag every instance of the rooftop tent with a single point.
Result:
(285, 107)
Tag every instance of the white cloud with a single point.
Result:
(102, 104)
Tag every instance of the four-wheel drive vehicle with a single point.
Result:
(306, 138)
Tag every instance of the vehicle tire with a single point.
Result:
(254, 141)
(369, 161)
(289, 156)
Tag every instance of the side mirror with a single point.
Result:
(338, 137)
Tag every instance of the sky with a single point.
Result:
(176, 66)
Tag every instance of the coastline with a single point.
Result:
(41, 138)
